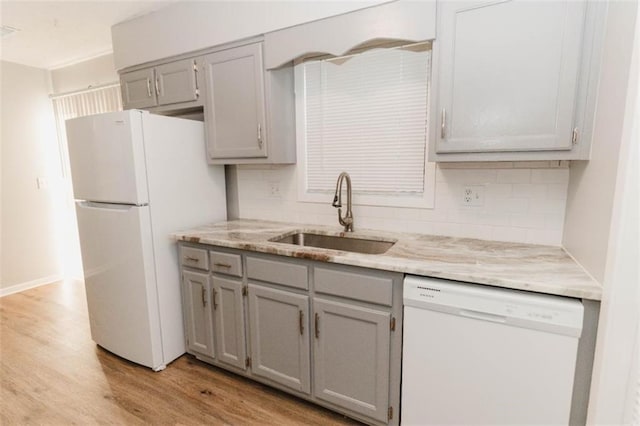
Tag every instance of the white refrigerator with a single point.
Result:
(137, 177)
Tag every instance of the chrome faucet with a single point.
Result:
(347, 221)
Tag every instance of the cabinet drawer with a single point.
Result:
(367, 288)
(226, 263)
(194, 258)
(273, 271)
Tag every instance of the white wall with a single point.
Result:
(94, 72)
(521, 204)
(616, 378)
(592, 183)
(29, 151)
(188, 26)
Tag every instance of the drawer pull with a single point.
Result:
(222, 265)
(301, 322)
(317, 323)
(192, 259)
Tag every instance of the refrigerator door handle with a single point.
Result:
(104, 206)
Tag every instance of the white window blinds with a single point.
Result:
(80, 104)
(367, 114)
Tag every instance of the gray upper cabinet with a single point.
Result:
(138, 89)
(235, 103)
(197, 312)
(280, 337)
(228, 308)
(174, 83)
(177, 82)
(351, 357)
(502, 91)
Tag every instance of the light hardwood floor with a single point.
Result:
(51, 372)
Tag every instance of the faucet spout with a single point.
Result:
(347, 220)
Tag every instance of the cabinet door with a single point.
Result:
(229, 321)
(235, 103)
(197, 312)
(280, 336)
(176, 82)
(508, 72)
(351, 357)
(138, 89)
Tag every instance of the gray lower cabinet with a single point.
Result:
(197, 312)
(351, 363)
(327, 333)
(229, 321)
(279, 335)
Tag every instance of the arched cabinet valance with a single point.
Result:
(400, 20)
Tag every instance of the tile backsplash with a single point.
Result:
(523, 202)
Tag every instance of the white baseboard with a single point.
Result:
(16, 288)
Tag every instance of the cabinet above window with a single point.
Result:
(410, 21)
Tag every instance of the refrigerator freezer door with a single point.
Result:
(106, 152)
(117, 254)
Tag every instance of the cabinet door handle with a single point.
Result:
(157, 87)
(213, 297)
(195, 78)
(148, 87)
(443, 124)
(301, 321)
(204, 297)
(317, 323)
(260, 135)
(192, 259)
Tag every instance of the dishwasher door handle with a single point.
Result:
(485, 316)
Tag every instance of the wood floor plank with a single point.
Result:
(51, 373)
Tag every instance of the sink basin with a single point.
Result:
(357, 245)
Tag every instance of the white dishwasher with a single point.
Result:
(476, 355)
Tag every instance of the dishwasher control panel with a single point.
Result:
(514, 307)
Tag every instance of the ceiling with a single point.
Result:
(53, 34)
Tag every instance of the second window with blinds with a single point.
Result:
(366, 114)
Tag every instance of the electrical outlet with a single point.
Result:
(473, 195)
(274, 190)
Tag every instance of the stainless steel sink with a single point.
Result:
(357, 245)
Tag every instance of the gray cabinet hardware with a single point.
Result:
(301, 321)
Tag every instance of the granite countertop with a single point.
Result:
(543, 269)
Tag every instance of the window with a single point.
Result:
(366, 114)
